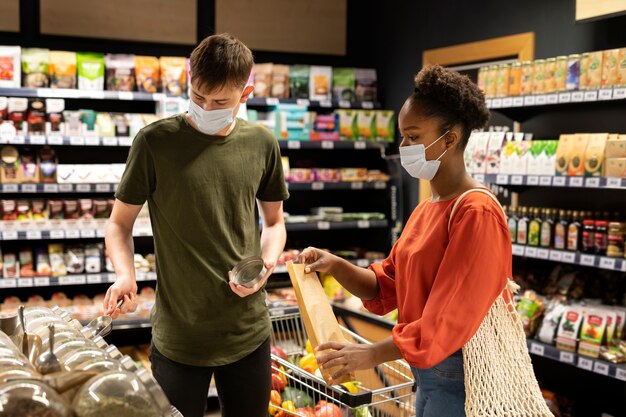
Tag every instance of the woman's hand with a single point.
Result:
(348, 357)
(317, 260)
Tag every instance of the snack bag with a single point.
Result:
(10, 73)
(147, 73)
(344, 80)
(35, 72)
(299, 81)
(62, 69)
(120, 72)
(174, 75)
(90, 71)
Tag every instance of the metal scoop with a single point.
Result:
(20, 312)
(102, 326)
(48, 363)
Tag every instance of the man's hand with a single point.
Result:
(242, 291)
(124, 288)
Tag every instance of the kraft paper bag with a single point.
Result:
(317, 314)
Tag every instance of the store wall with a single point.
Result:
(410, 27)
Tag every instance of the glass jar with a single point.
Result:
(63, 347)
(100, 365)
(119, 394)
(77, 357)
(31, 398)
(15, 373)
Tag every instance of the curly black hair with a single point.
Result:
(452, 97)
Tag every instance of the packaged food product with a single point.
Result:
(55, 210)
(27, 269)
(560, 74)
(120, 72)
(321, 83)
(39, 210)
(75, 259)
(526, 84)
(610, 68)
(531, 309)
(539, 72)
(85, 208)
(122, 124)
(515, 79)
(594, 71)
(54, 114)
(10, 164)
(35, 70)
(490, 81)
(174, 75)
(280, 81)
(621, 68)
(263, 79)
(480, 81)
(549, 82)
(550, 323)
(101, 209)
(481, 143)
(9, 210)
(57, 260)
(567, 334)
(147, 73)
(23, 210)
(385, 125)
(93, 258)
(502, 80)
(43, 262)
(18, 112)
(611, 325)
(494, 149)
(299, 81)
(327, 175)
(62, 69)
(592, 333)
(616, 167)
(11, 266)
(573, 72)
(105, 125)
(4, 109)
(348, 127)
(616, 148)
(584, 71)
(324, 126)
(344, 80)
(48, 165)
(36, 116)
(301, 175)
(366, 84)
(366, 122)
(577, 155)
(88, 119)
(563, 155)
(71, 210)
(10, 73)
(90, 68)
(594, 154)
(29, 169)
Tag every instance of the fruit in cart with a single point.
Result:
(278, 382)
(300, 398)
(289, 408)
(352, 386)
(275, 402)
(306, 412)
(276, 351)
(326, 409)
(362, 412)
(309, 363)
(309, 346)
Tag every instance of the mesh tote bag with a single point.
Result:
(499, 376)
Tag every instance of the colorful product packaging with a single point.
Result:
(10, 73)
(344, 80)
(90, 67)
(62, 69)
(594, 154)
(385, 125)
(567, 334)
(577, 155)
(610, 68)
(35, 71)
(348, 127)
(592, 333)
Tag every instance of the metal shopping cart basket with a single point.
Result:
(387, 390)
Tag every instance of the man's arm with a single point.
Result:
(121, 250)
(273, 238)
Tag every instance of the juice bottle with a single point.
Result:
(547, 229)
(534, 229)
(574, 233)
(522, 227)
(560, 230)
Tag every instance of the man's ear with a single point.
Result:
(246, 93)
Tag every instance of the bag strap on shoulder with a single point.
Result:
(457, 203)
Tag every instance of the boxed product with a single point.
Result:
(481, 143)
(147, 73)
(521, 156)
(594, 155)
(348, 127)
(105, 125)
(39, 210)
(36, 118)
(385, 125)
(616, 147)
(616, 167)
(90, 68)
(57, 260)
(8, 210)
(366, 86)
(27, 268)
(9, 165)
(88, 119)
(263, 79)
(54, 115)
(35, 71)
(48, 165)
(299, 81)
(292, 122)
(174, 75)
(549, 325)
(577, 155)
(494, 149)
(324, 126)
(567, 334)
(55, 210)
(563, 155)
(10, 266)
(592, 333)
(469, 152)
(18, 112)
(62, 69)
(536, 158)
(621, 68)
(610, 70)
(611, 325)
(354, 174)
(29, 169)
(10, 71)
(366, 122)
(344, 84)
(594, 70)
(320, 83)
(93, 258)
(327, 175)
(549, 151)
(73, 124)
(75, 259)
(43, 262)
(120, 72)
(24, 212)
(280, 81)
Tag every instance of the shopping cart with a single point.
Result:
(387, 390)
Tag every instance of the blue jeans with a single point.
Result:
(441, 389)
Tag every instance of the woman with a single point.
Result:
(443, 283)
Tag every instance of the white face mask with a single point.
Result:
(413, 159)
(210, 122)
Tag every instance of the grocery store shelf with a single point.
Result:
(61, 140)
(66, 233)
(57, 188)
(592, 365)
(593, 261)
(324, 225)
(587, 96)
(340, 104)
(80, 94)
(81, 279)
(330, 145)
(344, 185)
(549, 181)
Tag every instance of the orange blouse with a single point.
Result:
(443, 285)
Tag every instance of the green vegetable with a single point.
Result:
(362, 412)
(300, 398)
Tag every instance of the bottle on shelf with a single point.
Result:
(522, 227)
(512, 220)
(589, 230)
(601, 236)
(547, 229)
(560, 229)
(615, 240)
(574, 233)
(534, 228)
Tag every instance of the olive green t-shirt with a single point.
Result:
(202, 192)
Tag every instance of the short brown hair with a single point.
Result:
(219, 61)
